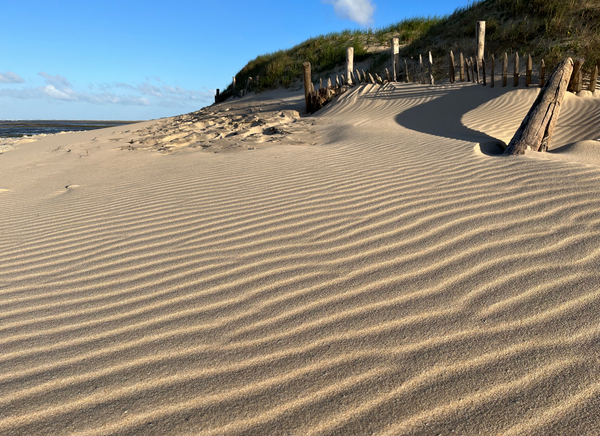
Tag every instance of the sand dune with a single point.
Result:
(370, 272)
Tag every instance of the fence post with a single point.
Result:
(349, 64)
(233, 87)
(307, 85)
(483, 69)
(472, 63)
(528, 71)
(462, 68)
(505, 70)
(217, 96)
(395, 52)
(430, 69)
(493, 73)
(451, 72)
(467, 67)
(407, 78)
(480, 41)
(516, 73)
(542, 73)
(594, 79)
(574, 83)
(387, 75)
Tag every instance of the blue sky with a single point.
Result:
(134, 60)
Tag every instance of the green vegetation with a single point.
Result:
(548, 29)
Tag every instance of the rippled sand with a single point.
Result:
(377, 269)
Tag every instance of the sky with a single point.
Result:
(139, 60)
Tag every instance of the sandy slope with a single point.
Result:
(385, 278)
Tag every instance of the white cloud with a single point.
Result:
(10, 77)
(58, 88)
(359, 11)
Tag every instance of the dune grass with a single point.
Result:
(548, 29)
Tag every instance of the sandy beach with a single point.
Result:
(373, 269)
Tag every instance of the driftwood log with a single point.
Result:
(536, 129)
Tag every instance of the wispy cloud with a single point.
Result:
(58, 88)
(10, 77)
(359, 11)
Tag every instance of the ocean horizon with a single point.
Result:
(20, 128)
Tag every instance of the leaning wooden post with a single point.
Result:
(528, 71)
(307, 85)
(537, 127)
(480, 41)
(575, 83)
(594, 79)
(542, 75)
(462, 68)
(407, 78)
(493, 73)
(430, 69)
(516, 73)
(505, 70)
(349, 64)
(387, 75)
(451, 71)
(395, 52)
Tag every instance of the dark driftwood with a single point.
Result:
(505, 70)
(451, 64)
(307, 85)
(575, 82)
(594, 79)
(536, 129)
(462, 68)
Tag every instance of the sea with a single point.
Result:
(20, 128)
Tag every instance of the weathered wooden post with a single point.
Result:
(575, 82)
(477, 70)
(468, 67)
(537, 127)
(493, 73)
(387, 75)
(329, 82)
(528, 71)
(247, 85)
(233, 86)
(480, 41)
(395, 52)
(420, 68)
(371, 79)
(451, 64)
(407, 78)
(257, 83)
(462, 68)
(483, 69)
(516, 73)
(430, 69)
(364, 75)
(217, 96)
(307, 85)
(505, 70)
(358, 75)
(594, 79)
(472, 63)
(349, 64)
(542, 75)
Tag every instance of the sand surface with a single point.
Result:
(376, 268)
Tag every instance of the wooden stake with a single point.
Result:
(483, 69)
(421, 69)
(329, 82)
(307, 84)
(462, 68)
(217, 96)
(349, 64)
(430, 69)
(516, 72)
(594, 79)
(395, 52)
(537, 127)
(574, 84)
(407, 77)
(505, 70)
(467, 67)
(451, 64)
(542, 74)
(480, 41)
(371, 79)
(493, 73)
(477, 70)
(472, 63)
(387, 75)
(233, 86)
(528, 71)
